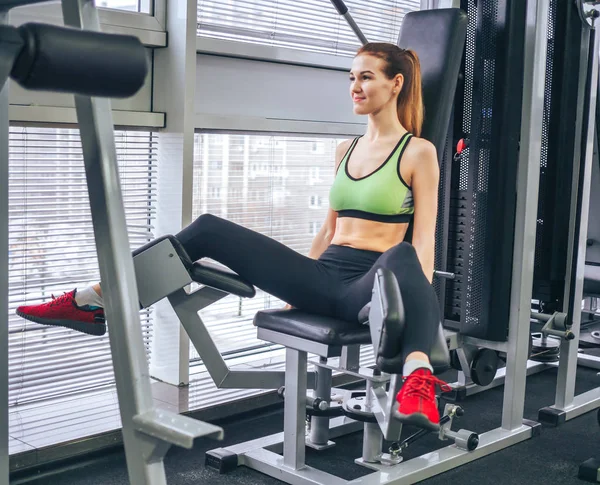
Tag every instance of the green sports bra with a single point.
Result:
(381, 196)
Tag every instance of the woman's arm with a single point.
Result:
(424, 182)
(323, 239)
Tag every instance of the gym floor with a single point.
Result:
(551, 458)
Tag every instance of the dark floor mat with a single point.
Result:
(551, 458)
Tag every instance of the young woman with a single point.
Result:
(384, 179)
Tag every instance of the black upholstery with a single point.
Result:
(316, 328)
(222, 278)
(330, 331)
(80, 62)
(206, 273)
(438, 37)
(392, 312)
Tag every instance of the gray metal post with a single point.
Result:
(294, 448)
(565, 388)
(116, 266)
(526, 212)
(319, 430)
(4, 462)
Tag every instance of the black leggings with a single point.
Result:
(339, 284)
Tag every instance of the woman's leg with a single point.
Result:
(417, 404)
(303, 282)
(418, 296)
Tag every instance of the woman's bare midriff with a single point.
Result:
(368, 235)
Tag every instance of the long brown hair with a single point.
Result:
(405, 62)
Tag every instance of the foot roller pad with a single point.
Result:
(221, 459)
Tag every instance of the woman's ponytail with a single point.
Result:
(405, 62)
(410, 99)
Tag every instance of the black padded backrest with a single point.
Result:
(438, 37)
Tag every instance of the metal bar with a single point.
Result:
(294, 450)
(319, 429)
(436, 462)
(4, 465)
(116, 264)
(343, 11)
(350, 358)
(589, 361)
(526, 213)
(565, 388)
(186, 307)
(470, 389)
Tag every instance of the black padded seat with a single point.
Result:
(316, 328)
(339, 333)
(591, 282)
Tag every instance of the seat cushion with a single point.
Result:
(330, 331)
(325, 330)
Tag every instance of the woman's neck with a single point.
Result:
(384, 124)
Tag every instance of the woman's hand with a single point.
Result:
(288, 307)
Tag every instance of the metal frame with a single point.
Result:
(4, 425)
(568, 406)
(148, 432)
(292, 468)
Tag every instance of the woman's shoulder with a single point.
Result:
(420, 147)
(421, 156)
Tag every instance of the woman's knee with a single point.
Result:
(404, 251)
(206, 218)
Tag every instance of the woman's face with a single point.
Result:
(370, 88)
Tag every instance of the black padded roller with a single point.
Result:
(80, 62)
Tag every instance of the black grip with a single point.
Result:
(340, 7)
(80, 62)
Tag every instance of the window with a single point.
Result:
(141, 6)
(316, 201)
(313, 227)
(52, 250)
(314, 175)
(310, 25)
(272, 205)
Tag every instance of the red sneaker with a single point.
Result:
(417, 401)
(64, 312)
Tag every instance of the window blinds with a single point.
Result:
(52, 250)
(310, 25)
(276, 185)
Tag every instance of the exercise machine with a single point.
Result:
(567, 319)
(166, 271)
(94, 66)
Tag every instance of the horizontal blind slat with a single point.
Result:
(52, 250)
